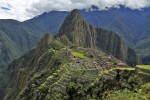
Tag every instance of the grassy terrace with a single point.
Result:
(126, 69)
(107, 71)
(80, 55)
(112, 71)
(143, 67)
(144, 70)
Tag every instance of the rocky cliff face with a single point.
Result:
(78, 30)
(80, 33)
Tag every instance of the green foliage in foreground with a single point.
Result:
(129, 87)
(58, 72)
(142, 93)
(123, 95)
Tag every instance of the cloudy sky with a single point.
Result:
(25, 9)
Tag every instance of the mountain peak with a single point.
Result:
(76, 29)
(74, 15)
(74, 23)
(45, 39)
(75, 12)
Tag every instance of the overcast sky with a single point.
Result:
(25, 9)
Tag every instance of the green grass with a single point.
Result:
(107, 71)
(126, 68)
(80, 55)
(143, 67)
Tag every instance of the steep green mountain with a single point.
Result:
(80, 33)
(53, 71)
(7, 50)
(14, 41)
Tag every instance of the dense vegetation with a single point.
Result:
(56, 72)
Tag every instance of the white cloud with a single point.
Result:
(18, 9)
(22, 10)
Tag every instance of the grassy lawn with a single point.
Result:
(80, 55)
(143, 67)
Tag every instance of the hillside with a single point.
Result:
(14, 41)
(55, 71)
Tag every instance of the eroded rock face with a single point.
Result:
(80, 33)
(78, 30)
